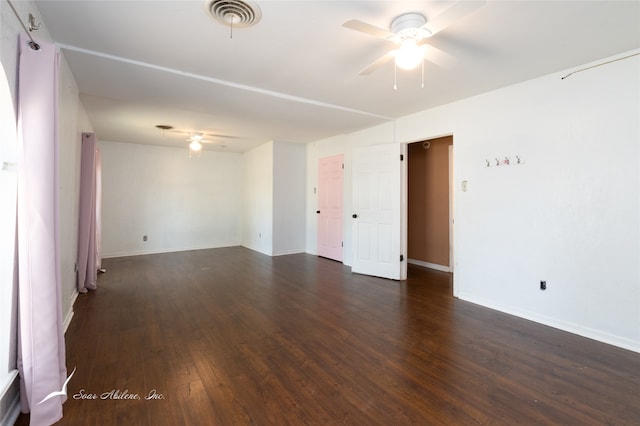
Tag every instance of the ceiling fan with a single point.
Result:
(409, 32)
(195, 142)
(196, 139)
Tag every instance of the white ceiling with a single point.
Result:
(294, 76)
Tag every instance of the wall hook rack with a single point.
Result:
(503, 161)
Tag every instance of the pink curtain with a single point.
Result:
(99, 211)
(88, 259)
(41, 350)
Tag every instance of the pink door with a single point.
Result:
(330, 185)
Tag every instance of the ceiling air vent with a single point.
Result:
(236, 13)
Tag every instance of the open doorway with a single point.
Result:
(430, 204)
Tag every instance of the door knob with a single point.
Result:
(318, 211)
(355, 216)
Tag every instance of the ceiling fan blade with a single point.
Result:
(218, 135)
(363, 27)
(204, 134)
(380, 61)
(184, 132)
(440, 58)
(452, 14)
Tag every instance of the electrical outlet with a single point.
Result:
(543, 285)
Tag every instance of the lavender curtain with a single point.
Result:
(87, 236)
(41, 350)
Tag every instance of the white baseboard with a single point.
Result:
(69, 316)
(166, 250)
(174, 250)
(284, 253)
(259, 250)
(570, 327)
(429, 265)
(10, 400)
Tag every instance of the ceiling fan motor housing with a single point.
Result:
(410, 25)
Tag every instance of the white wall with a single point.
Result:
(219, 199)
(569, 215)
(274, 198)
(179, 203)
(73, 121)
(257, 228)
(289, 179)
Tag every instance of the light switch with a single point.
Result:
(464, 186)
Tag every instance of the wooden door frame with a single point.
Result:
(319, 159)
(404, 212)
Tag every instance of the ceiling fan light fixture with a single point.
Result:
(195, 142)
(409, 55)
(410, 25)
(196, 137)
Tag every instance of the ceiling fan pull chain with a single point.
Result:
(395, 76)
(423, 73)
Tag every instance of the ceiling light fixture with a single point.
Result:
(409, 55)
(195, 144)
(409, 30)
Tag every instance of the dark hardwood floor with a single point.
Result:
(232, 337)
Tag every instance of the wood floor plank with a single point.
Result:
(232, 337)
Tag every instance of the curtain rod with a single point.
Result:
(32, 44)
(599, 65)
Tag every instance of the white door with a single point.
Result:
(330, 185)
(376, 211)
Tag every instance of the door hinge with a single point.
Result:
(401, 157)
(341, 243)
(401, 258)
(342, 166)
